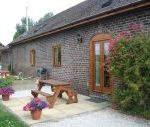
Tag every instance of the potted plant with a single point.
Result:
(35, 107)
(6, 88)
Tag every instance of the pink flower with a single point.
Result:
(124, 34)
(112, 44)
(27, 107)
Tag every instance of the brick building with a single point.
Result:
(73, 45)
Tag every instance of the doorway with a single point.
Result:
(100, 77)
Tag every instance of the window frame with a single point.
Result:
(32, 57)
(56, 64)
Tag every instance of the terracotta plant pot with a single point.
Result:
(36, 115)
(5, 97)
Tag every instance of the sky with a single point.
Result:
(11, 12)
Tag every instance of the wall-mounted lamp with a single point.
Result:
(79, 38)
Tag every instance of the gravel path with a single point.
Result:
(104, 118)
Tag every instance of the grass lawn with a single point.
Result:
(7, 119)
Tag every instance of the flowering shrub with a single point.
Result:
(35, 104)
(130, 62)
(6, 90)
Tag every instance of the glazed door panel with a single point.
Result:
(97, 67)
(101, 80)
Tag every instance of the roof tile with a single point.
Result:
(81, 11)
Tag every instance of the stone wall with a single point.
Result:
(75, 56)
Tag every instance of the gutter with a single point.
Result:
(112, 12)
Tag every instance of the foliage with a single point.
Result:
(9, 120)
(130, 62)
(45, 17)
(35, 104)
(6, 90)
(21, 28)
(6, 81)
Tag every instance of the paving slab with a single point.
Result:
(60, 111)
(82, 114)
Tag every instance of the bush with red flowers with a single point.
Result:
(130, 62)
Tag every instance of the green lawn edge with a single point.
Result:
(8, 118)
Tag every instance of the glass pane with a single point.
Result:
(97, 64)
(32, 57)
(106, 65)
(55, 56)
(59, 56)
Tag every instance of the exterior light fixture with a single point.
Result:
(79, 38)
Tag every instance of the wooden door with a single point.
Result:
(100, 78)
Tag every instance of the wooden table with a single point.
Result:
(4, 73)
(58, 87)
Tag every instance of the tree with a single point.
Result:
(21, 28)
(45, 17)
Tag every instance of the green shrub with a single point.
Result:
(6, 81)
(130, 61)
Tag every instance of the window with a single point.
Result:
(57, 56)
(32, 57)
(107, 3)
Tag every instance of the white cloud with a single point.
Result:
(11, 11)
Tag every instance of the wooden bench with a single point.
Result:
(36, 92)
(58, 88)
(48, 96)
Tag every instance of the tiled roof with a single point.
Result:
(79, 12)
(3, 48)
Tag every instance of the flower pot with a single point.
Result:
(5, 97)
(36, 115)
